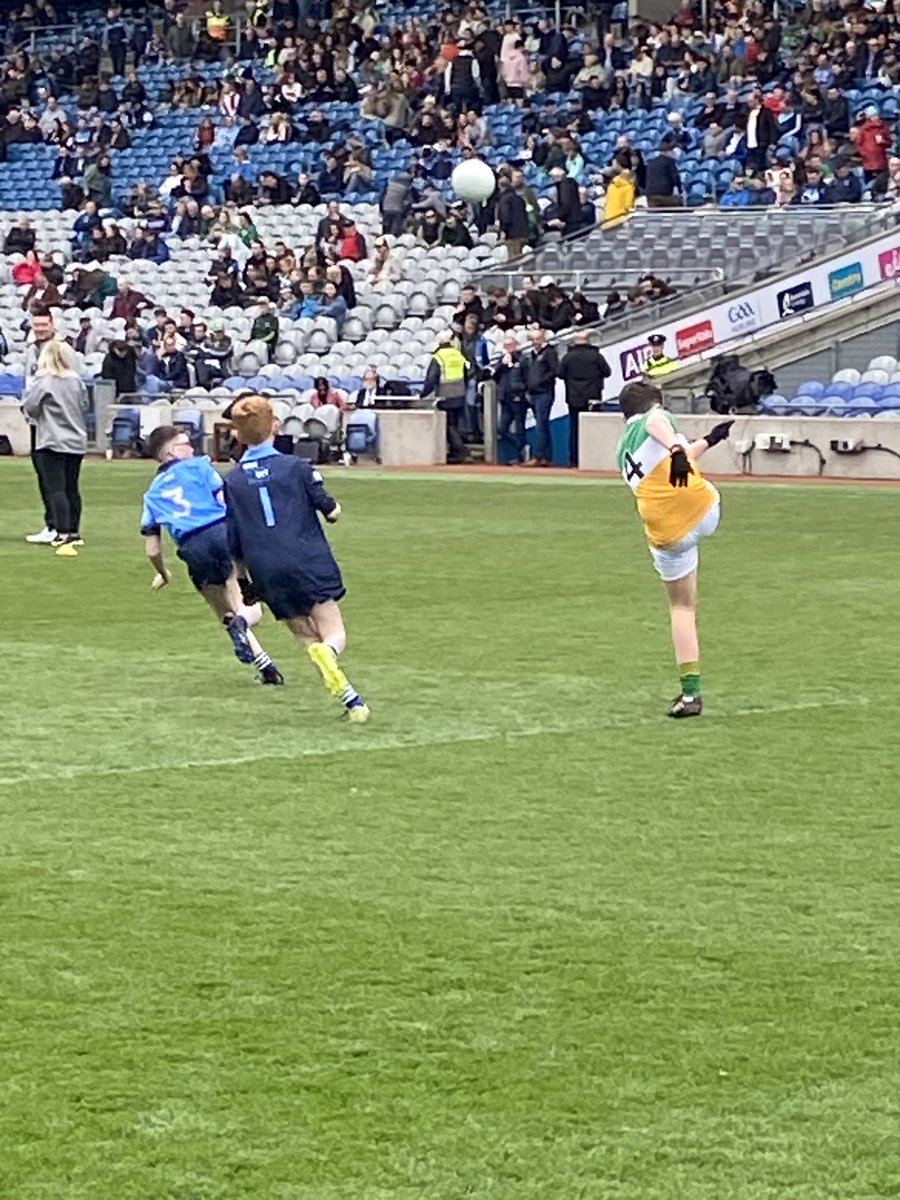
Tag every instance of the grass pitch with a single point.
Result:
(520, 938)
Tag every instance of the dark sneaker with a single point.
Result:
(236, 627)
(272, 675)
(686, 706)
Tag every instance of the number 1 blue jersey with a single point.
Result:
(185, 496)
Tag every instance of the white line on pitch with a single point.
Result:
(371, 745)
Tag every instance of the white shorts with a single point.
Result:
(675, 561)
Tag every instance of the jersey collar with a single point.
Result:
(255, 453)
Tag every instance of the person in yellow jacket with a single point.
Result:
(217, 22)
(446, 380)
(620, 195)
(658, 362)
(679, 508)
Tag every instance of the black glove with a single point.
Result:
(248, 591)
(718, 433)
(679, 467)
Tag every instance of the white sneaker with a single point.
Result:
(44, 538)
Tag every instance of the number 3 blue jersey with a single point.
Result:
(185, 496)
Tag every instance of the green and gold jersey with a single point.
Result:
(668, 513)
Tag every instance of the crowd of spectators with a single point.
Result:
(769, 97)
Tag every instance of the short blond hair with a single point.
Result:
(56, 358)
(253, 419)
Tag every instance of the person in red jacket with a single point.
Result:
(352, 244)
(872, 140)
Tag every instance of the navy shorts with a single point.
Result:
(294, 592)
(206, 555)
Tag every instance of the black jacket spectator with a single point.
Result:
(568, 204)
(247, 135)
(18, 240)
(541, 369)
(512, 215)
(836, 114)
(663, 179)
(107, 100)
(274, 189)
(583, 370)
(120, 366)
(251, 103)
(172, 368)
(307, 193)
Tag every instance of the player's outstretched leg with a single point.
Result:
(324, 636)
(682, 596)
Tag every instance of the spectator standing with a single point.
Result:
(541, 366)
(474, 349)
(446, 380)
(511, 399)
(42, 332)
(567, 208)
(55, 400)
(512, 218)
(116, 39)
(395, 202)
(461, 79)
(180, 39)
(663, 177)
(761, 133)
(583, 371)
(872, 139)
(120, 367)
(620, 193)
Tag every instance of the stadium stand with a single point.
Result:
(215, 159)
(874, 392)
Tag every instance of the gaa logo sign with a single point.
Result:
(743, 317)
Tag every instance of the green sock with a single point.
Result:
(689, 673)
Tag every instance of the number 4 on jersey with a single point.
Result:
(633, 470)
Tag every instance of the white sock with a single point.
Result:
(252, 613)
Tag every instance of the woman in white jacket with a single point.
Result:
(55, 401)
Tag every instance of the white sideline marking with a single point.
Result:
(362, 744)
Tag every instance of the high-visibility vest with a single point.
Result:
(216, 25)
(660, 364)
(453, 371)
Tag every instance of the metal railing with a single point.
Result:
(587, 280)
(874, 219)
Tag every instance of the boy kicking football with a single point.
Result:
(186, 499)
(274, 502)
(679, 508)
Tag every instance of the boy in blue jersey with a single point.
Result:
(274, 502)
(186, 498)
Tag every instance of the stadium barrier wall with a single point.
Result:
(412, 437)
(600, 433)
(14, 425)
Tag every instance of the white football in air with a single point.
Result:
(473, 180)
